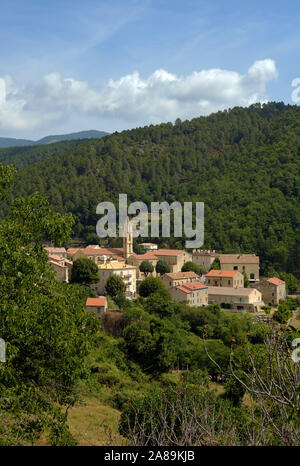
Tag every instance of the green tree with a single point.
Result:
(47, 332)
(114, 286)
(151, 285)
(146, 267)
(282, 314)
(162, 267)
(216, 264)
(290, 282)
(84, 271)
(246, 280)
(192, 267)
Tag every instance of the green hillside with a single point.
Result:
(243, 163)
(27, 155)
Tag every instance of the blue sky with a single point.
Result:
(111, 65)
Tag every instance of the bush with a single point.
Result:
(151, 285)
(114, 286)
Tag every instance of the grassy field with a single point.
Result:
(93, 423)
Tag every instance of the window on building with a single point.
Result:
(235, 267)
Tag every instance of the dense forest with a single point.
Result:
(243, 163)
(27, 155)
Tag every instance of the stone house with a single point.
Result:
(248, 299)
(176, 258)
(62, 267)
(248, 263)
(273, 290)
(232, 278)
(97, 305)
(99, 254)
(111, 267)
(137, 259)
(205, 258)
(172, 280)
(193, 294)
(61, 252)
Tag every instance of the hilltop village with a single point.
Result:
(235, 284)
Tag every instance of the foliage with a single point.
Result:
(84, 271)
(114, 286)
(162, 267)
(146, 267)
(47, 332)
(246, 280)
(216, 264)
(290, 280)
(282, 314)
(152, 285)
(192, 267)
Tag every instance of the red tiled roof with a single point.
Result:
(149, 255)
(169, 252)
(57, 258)
(102, 251)
(194, 286)
(221, 273)
(275, 281)
(185, 290)
(189, 287)
(72, 250)
(95, 302)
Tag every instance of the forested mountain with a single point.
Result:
(243, 163)
(27, 155)
(12, 142)
(91, 134)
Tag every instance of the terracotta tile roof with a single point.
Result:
(56, 258)
(193, 286)
(102, 251)
(95, 302)
(169, 252)
(119, 258)
(185, 290)
(239, 259)
(181, 275)
(190, 287)
(275, 281)
(221, 273)
(149, 255)
(72, 251)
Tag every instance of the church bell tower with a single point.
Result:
(127, 239)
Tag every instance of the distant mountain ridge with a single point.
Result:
(90, 134)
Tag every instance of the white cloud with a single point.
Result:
(162, 96)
